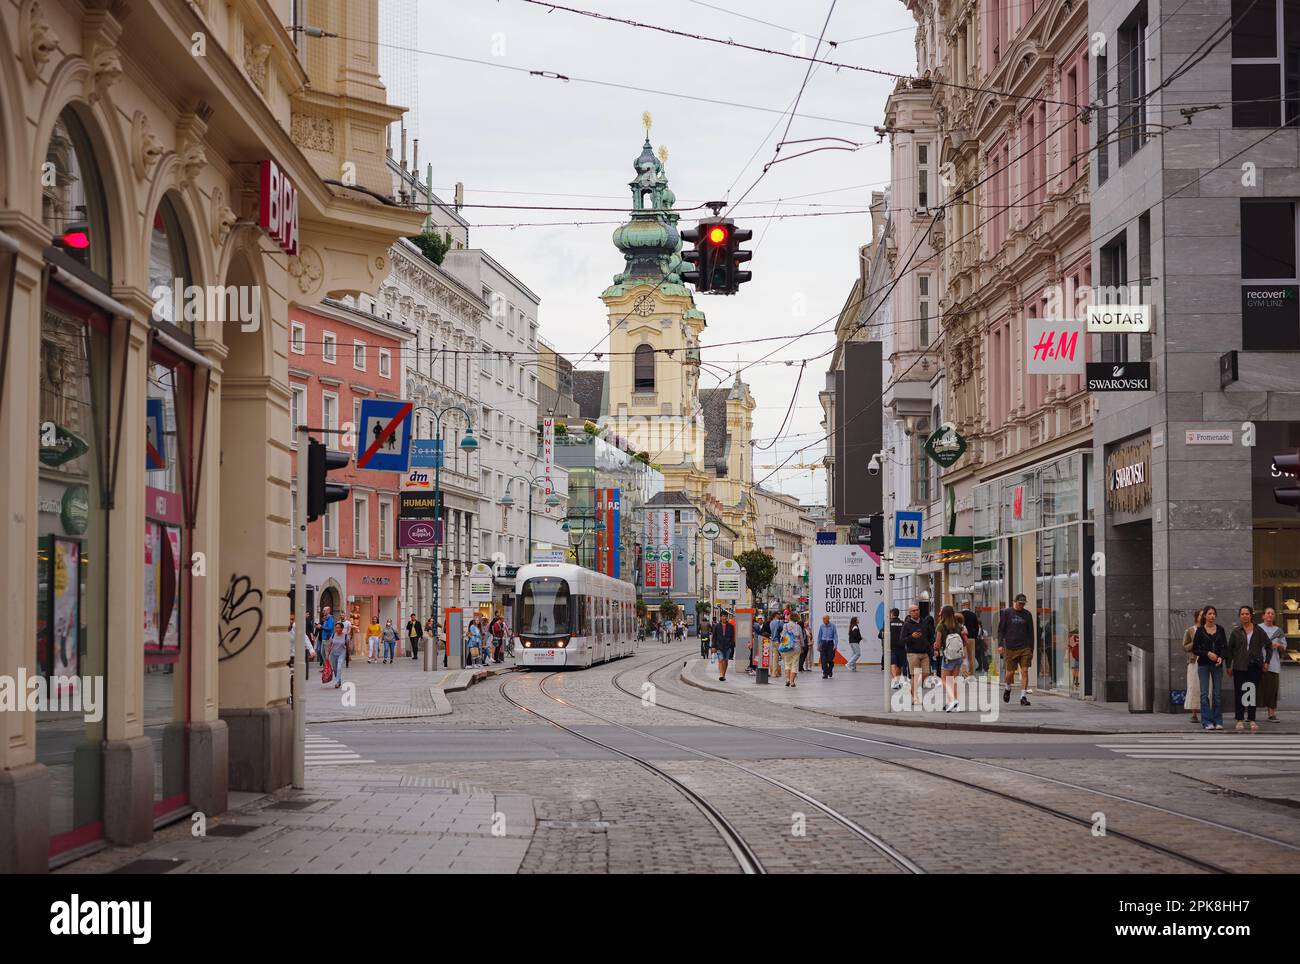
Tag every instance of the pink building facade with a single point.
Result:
(339, 356)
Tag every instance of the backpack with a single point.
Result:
(953, 647)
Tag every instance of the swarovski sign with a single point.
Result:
(1119, 376)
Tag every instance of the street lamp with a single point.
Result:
(578, 533)
(468, 443)
(507, 500)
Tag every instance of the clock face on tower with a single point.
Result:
(645, 305)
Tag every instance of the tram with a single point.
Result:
(570, 616)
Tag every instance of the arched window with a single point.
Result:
(169, 272)
(643, 379)
(72, 202)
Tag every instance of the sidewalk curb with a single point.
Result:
(460, 680)
(905, 719)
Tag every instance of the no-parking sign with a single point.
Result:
(384, 435)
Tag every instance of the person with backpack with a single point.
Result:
(1210, 644)
(855, 644)
(951, 634)
(1016, 646)
(790, 647)
(1248, 649)
(414, 633)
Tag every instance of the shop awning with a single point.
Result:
(949, 548)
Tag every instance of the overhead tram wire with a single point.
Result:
(1183, 187)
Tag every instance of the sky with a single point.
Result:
(519, 139)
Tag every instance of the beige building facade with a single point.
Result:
(146, 482)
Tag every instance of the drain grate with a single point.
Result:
(149, 865)
(232, 829)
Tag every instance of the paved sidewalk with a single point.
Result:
(390, 691)
(860, 696)
(348, 822)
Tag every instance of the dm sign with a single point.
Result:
(946, 445)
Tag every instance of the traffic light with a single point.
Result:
(876, 533)
(1288, 463)
(716, 256)
(320, 492)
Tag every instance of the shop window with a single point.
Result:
(72, 203)
(169, 273)
(1270, 318)
(1265, 63)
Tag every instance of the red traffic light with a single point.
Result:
(75, 238)
(717, 234)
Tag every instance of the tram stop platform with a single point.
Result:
(861, 697)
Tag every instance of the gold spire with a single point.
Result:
(646, 121)
(663, 154)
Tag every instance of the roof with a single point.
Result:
(588, 390)
(713, 403)
(664, 499)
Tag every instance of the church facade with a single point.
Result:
(651, 394)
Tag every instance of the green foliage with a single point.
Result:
(641, 610)
(590, 427)
(760, 570)
(642, 457)
(432, 246)
(669, 610)
(703, 606)
(561, 428)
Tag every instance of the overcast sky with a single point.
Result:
(552, 142)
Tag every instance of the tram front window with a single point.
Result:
(545, 607)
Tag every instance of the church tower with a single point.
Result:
(654, 330)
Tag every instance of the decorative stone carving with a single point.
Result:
(312, 132)
(255, 57)
(146, 148)
(307, 269)
(106, 69)
(37, 38)
(222, 218)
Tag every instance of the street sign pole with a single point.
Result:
(885, 637)
(300, 619)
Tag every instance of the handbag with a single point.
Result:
(326, 672)
(473, 652)
(953, 647)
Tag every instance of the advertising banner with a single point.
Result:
(1054, 347)
(616, 535)
(844, 582)
(416, 505)
(650, 555)
(419, 533)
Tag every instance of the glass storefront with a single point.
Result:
(1033, 530)
(1276, 547)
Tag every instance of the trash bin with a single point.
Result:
(1139, 680)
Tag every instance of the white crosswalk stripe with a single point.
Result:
(321, 751)
(1227, 745)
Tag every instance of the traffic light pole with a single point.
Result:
(300, 617)
(885, 638)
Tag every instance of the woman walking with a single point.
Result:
(950, 632)
(390, 641)
(339, 650)
(1270, 681)
(1248, 648)
(790, 646)
(1193, 698)
(1210, 645)
(373, 634)
(855, 644)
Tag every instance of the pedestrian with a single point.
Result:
(855, 644)
(706, 635)
(373, 635)
(414, 633)
(724, 641)
(951, 635)
(497, 630)
(928, 622)
(1271, 679)
(973, 642)
(339, 650)
(325, 634)
(474, 638)
(805, 649)
(917, 643)
(351, 626)
(828, 639)
(390, 640)
(1248, 650)
(310, 639)
(1016, 647)
(1193, 698)
(789, 648)
(897, 651)
(1210, 644)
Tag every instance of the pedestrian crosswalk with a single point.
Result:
(1227, 745)
(321, 751)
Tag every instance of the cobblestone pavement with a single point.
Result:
(492, 787)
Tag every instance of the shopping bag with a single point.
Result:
(473, 652)
(713, 657)
(326, 672)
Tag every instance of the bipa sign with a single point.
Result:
(277, 211)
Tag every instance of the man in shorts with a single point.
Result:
(724, 641)
(918, 643)
(1016, 646)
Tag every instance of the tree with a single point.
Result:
(668, 610)
(432, 245)
(641, 609)
(703, 607)
(760, 570)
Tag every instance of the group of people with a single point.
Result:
(790, 640)
(1251, 653)
(330, 640)
(666, 630)
(488, 640)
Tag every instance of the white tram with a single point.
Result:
(570, 616)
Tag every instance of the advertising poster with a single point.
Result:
(169, 568)
(602, 536)
(616, 536)
(844, 582)
(152, 552)
(65, 608)
(650, 558)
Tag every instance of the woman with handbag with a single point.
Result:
(789, 647)
(1193, 697)
(950, 634)
(1270, 680)
(1247, 649)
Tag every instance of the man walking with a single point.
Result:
(828, 639)
(897, 652)
(1016, 646)
(724, 641)
(976, 650)
(918, 642)
(326, 634)
(414, 633)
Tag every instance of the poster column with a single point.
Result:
(846, 582)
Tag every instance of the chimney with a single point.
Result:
(415, 158)
(403, 161)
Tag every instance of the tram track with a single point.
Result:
(1201, 864)
(896, 857)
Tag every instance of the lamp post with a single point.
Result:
(507, 500)
(468, 443)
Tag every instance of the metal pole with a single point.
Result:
(300, 619)
(530, 520)
(431, 646)
(885, 637)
